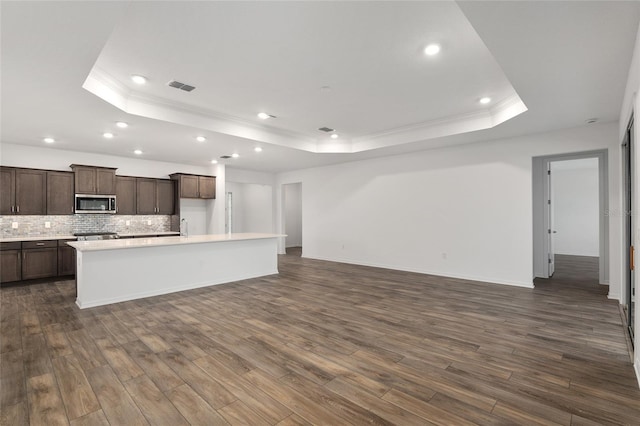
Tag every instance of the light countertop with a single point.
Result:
(72, 237)
(38, 238)
(166, 241)
(142, 234)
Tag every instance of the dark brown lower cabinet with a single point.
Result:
(39, 259)
(66, 259)
(10, 262)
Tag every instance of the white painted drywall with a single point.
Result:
(575, 207)
(292, 196)
(464, 211)
(58, 159)
(195, 213)
(252, 207)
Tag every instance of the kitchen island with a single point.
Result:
(112, 271)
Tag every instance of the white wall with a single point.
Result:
(195, 213)
(464, 211)
(58, 159)
(252, 207)
(575, 207)
(292, 195)
(630, 104)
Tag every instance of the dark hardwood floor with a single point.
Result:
(320, 343)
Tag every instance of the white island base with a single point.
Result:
(114, 271)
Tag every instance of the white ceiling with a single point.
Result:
(566, 61)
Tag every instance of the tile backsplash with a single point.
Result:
(32, 226)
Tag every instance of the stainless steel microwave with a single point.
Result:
(86, 203)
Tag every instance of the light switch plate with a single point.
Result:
(127, 222)
(14, 225)
(148, 222)
(47, 224)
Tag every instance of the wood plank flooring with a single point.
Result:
(322, 343)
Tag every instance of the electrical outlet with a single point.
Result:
(148, 222)
(127, 222)
(14, 225)
(47, 225)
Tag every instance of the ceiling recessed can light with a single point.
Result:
(214, 161)
(137, 152)
(122, 124)
(108, 135)
(485, 100)
(235, 155)
(49, 140)
(201, 138)
(334, 136)
(138, 79)
(257, 149)
(432, 49)
(588, 121)
(263, 115)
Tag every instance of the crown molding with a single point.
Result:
(108, 88)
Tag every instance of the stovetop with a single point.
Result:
(89, 236)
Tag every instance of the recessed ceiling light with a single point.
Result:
(432, 49)
(485, 100)
(138, 79)
(264, 115)
(235, 155)
(257, 149)
(137, 152)
(214, 161)
(334, 136)
(108, 135)
(122, 124)
(588, 121)
(49, 140)
(201, 138)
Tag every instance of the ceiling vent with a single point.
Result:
(326, 129)
(181, 86)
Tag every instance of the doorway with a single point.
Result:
(292, 208)
(544, 239)
(628, 152)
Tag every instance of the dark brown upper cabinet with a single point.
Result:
(60, 193)
(126, 195)
(155, 196)
(94, 180)
(7, 190)
(23, 191)
(195, 186)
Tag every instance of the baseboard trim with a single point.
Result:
(490, 280)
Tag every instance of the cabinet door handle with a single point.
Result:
(39, 244)
(12, 208)
(17, 209)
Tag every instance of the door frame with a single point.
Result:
(282, 249)
(629, 208)
(540, 211)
